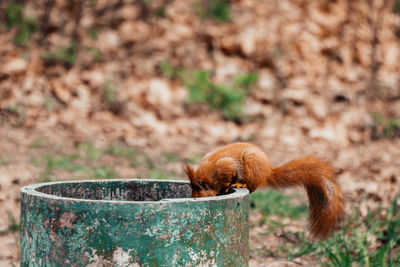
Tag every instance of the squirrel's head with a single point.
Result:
(200, 187)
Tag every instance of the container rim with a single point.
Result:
(33, 190)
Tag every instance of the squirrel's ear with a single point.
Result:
(190, 173)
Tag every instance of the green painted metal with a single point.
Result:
(131, 223)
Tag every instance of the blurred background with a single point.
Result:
(138, 88)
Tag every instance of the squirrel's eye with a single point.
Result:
(203, 185)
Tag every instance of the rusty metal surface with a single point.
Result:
(131, 223)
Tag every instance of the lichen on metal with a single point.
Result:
(131, 223)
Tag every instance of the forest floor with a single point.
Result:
(122, 90)
(278, 223)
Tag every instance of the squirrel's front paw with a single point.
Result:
(238, 185)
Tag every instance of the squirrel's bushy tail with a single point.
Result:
(325, 197)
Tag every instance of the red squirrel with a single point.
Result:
(246, 165)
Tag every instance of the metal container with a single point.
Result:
(131, 223)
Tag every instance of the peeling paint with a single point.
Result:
(131, 223)
(120, 257)
(67, 219)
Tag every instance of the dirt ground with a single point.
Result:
(328, 85)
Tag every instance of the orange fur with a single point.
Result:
(244, 163)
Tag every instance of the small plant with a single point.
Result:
(4, 160)
(274, 202)
(48, 102)
(103, 172)
(109, 93)
(95, 53)
(396, 6)
(14, 226)
(64, 54)
(142, 159)
(120, 151)
(155, 173)
(17, 110)
(25, 26)
(194, 159)
(372, 241)
(171, 158)
(93, 33)
(92, 153)
(110, 98)
(64, 162)
(59, 162)
(229, 100)
(219, 10)
(225, 98)
(169, 71)
(68, 163)
(37, 144)
(385, 127)
(160, 12)
(277, 53)
(246, 80)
